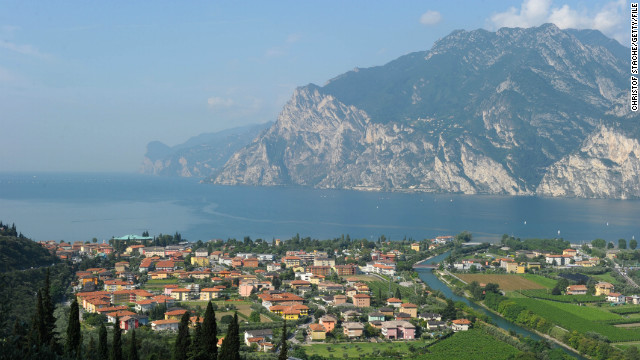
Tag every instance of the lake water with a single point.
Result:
(73, 207)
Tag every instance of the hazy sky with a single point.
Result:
(85, 85)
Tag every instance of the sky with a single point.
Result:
(85, 85)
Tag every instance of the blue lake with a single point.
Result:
(71, 206)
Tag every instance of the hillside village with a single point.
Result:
(348, 294)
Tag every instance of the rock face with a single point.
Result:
(497, 113)
(200, 156)
(607, 165)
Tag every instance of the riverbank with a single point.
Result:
(546, 336)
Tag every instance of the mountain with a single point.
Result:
(201, 155)
(506, 112)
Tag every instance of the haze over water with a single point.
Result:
(78, 207)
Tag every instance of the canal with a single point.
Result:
(434, 283)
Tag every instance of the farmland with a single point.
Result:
(506, 282)
(580, 318)
(472, 344)
(367, 349)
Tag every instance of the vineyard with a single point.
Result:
(581, 318)
(472, 344)
(544, 294)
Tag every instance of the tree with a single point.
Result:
(133, 347)
(103, 349)
(610, 245)
(449, 312)
(183, 341)
(599, 243)
(116, 346)
(74, 334)
(197, 347)
(633, 244)
(209, 333)
(48, 307)
(398, 295)
(622, 244)
(230, 349)
(91, 351)
(254, 317)
(283, 342)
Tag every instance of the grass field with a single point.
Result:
(383, 286)
(506, 282)
(544, 281)
(580, 318)
(607, 278)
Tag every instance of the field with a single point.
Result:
(546, 295)
(544, 281)
(383, 286)
(364, 278)
(581, 318)
(506, 282)
(472, 344)
(359, 350)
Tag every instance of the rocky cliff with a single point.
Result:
(498, 113)
(200, 156)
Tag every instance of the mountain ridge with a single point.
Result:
(480, 112)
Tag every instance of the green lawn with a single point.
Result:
(607, 278)
(544, 281)
(383, 286)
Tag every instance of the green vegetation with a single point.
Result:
(541, 280)
(544, 294)
(19, 253)
(472, 344)
(366, 349)
(582, 319)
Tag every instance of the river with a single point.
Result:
(434, 283)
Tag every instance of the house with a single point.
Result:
(207, 294)
(175, 314)
(111, 317)
(398, 329)
(180, 294)
(435, 325)
(162, 325)
(430, 317)
(570, 252)
(290, 311)
(387, 311)
(394, 302)
(200, 261)
(410, 309)
(603, 288)
(352, 329)
(264, 334)
(201, 252)
(323, 261)
(339, 299)
(576, 290)
(317, 332)
(319, 270)
(329, 322)
(415, 246)
(616, 298)
(345, 270)
(250, 262)
(375, 316)
(299, 283)
(291, 261)
(460, 325)
(273, 298)
(403, 316)
(166, 265)
(245, 290)
(129, 322)
(144, 306)
(361, 300)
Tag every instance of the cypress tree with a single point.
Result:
(48, 307)
(183, 341)
(72, 348)
(90, 354)
(210, 333)
(133, 348)
(116, 350)
(197, 346)
(398, 294)
(230, 349)
(41, 325)
(103, 348)
(283, 343)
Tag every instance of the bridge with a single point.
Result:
(425, 266)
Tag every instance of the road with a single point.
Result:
(625, 276)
